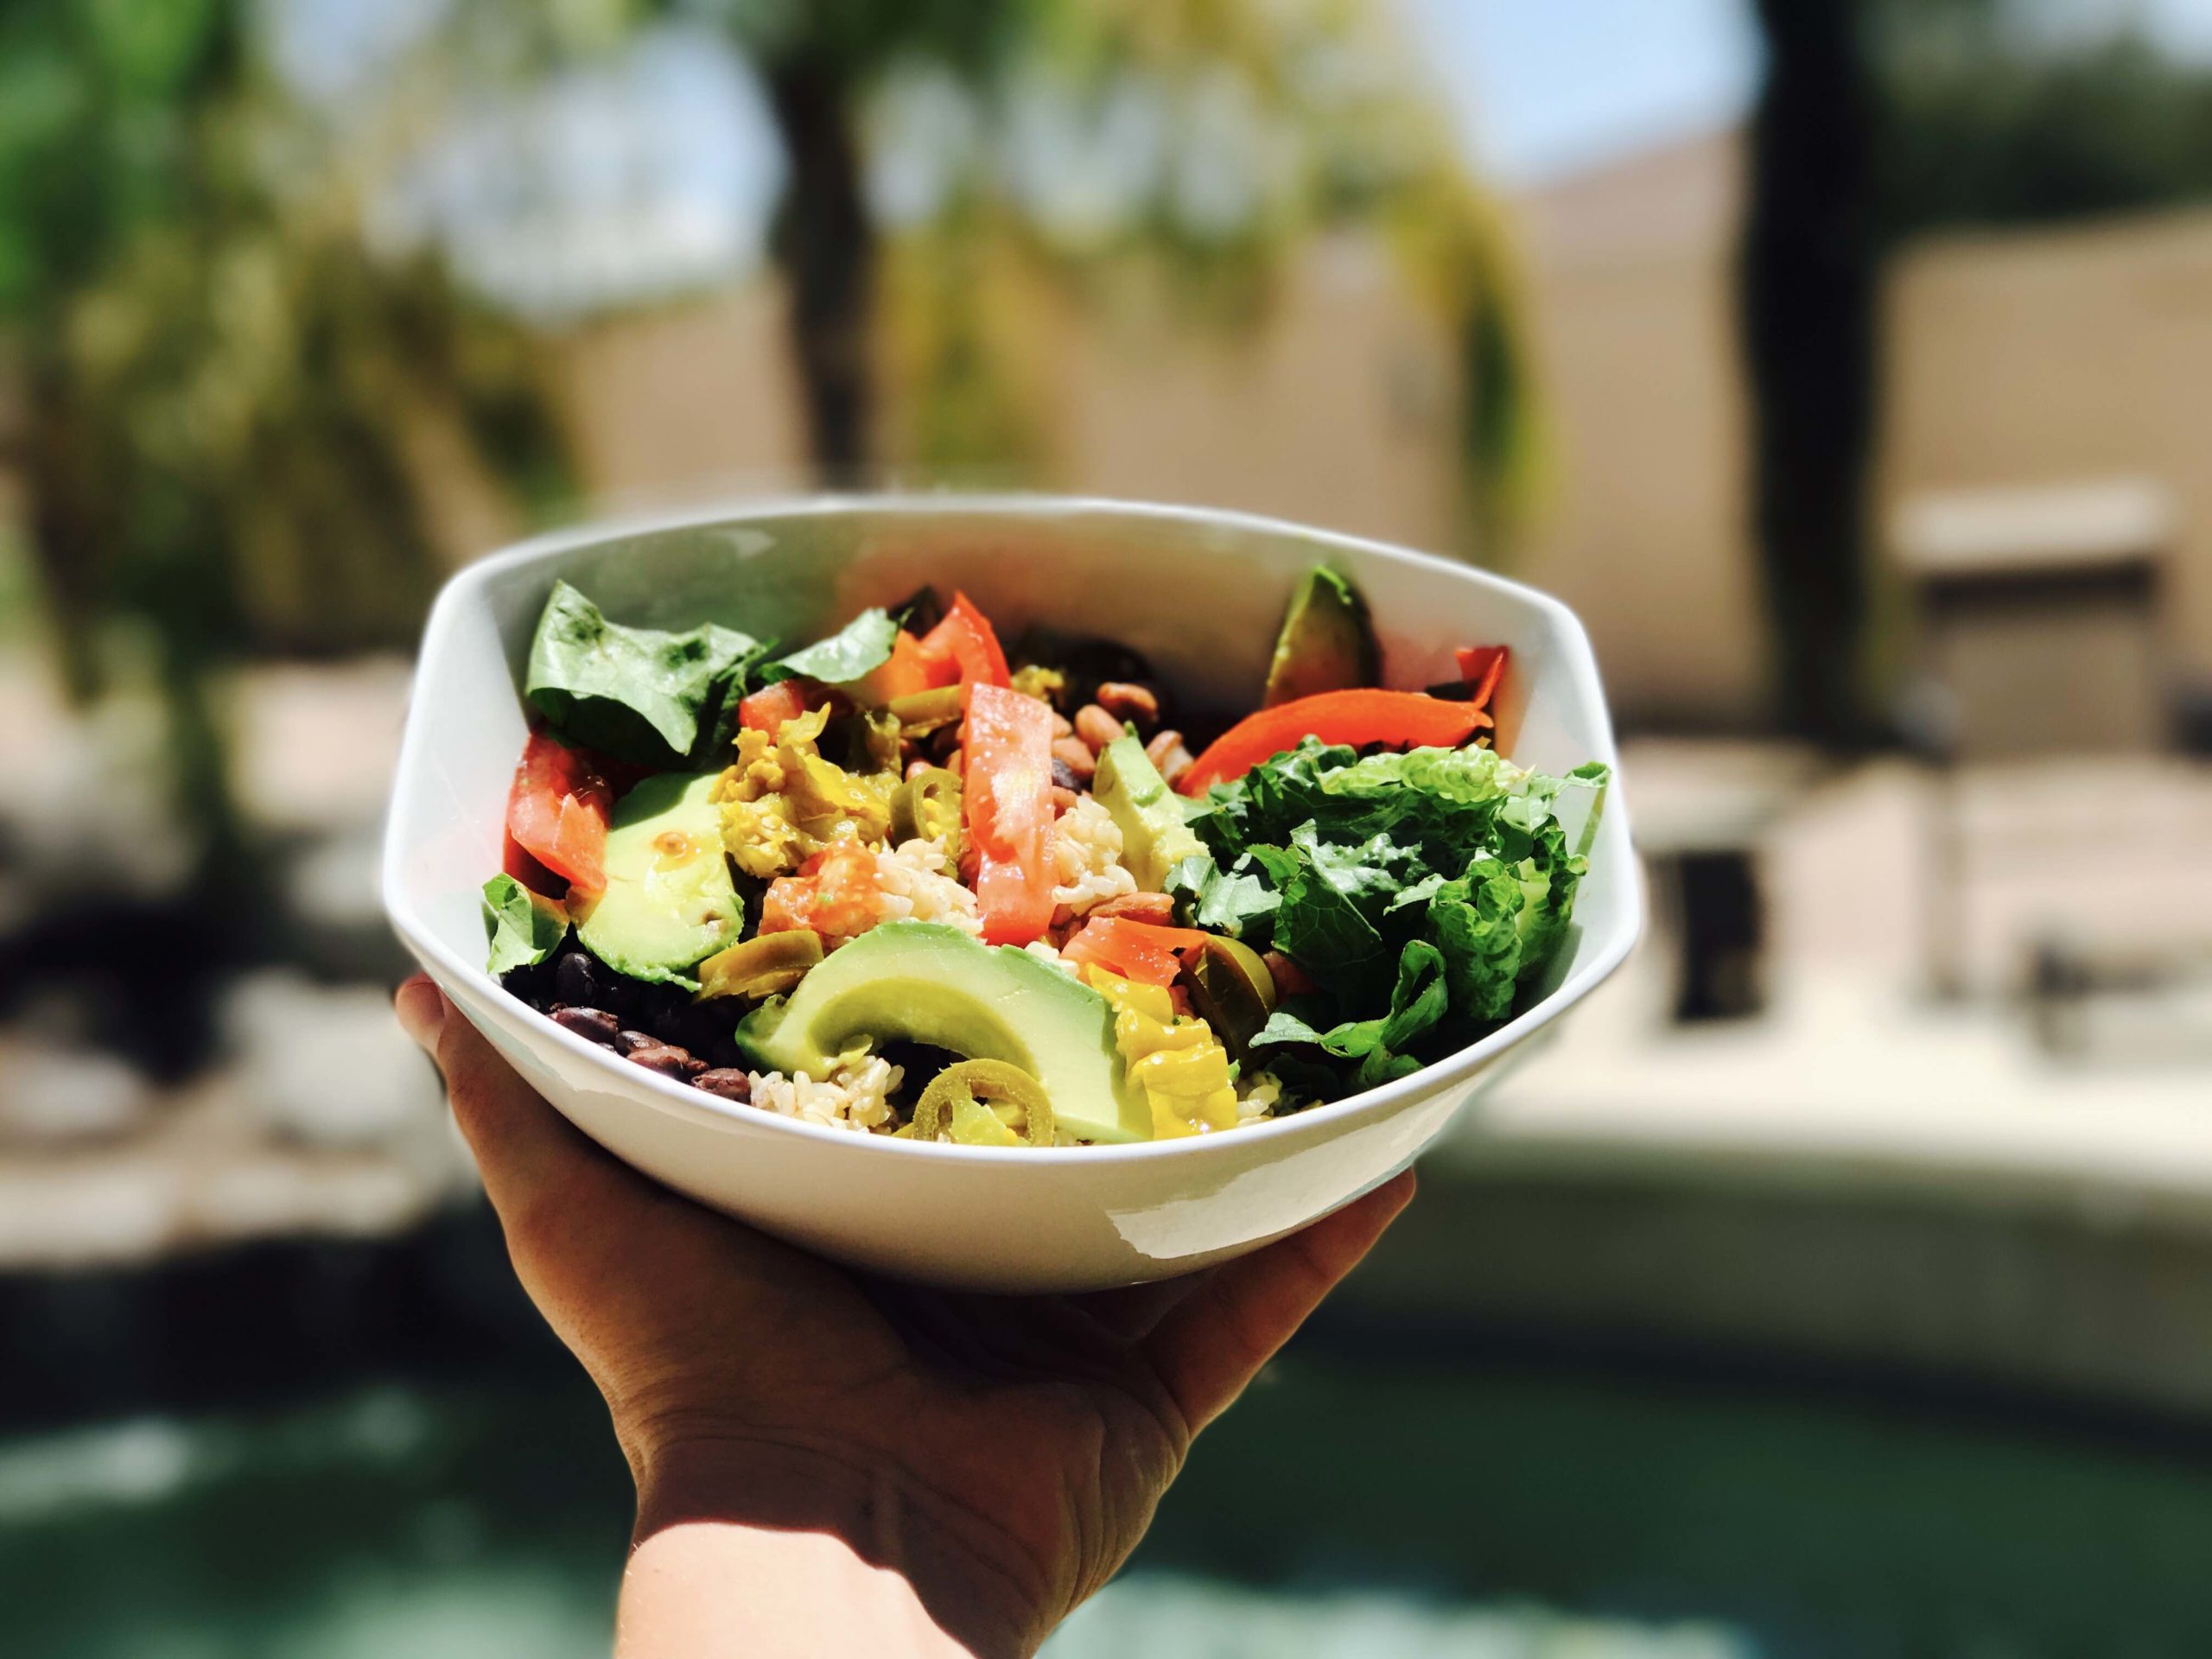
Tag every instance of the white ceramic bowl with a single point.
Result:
(1200, 593)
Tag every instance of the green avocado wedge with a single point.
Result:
(670, 902)
(926, 982)
(1327, 643)
(1154, 838)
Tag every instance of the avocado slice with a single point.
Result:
(926, 982)
(1154, 838)
(1327, 643)
(670, 902)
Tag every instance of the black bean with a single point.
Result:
(629, 1040)
(1064, 775)
(594, 1025)
(729, 1081)
(577, 981)
(667, 1059)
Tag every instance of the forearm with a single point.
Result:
(793, 1556)
(702, 1589)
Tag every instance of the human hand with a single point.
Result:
(1001, 1455)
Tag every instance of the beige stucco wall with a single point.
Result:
(2056, 356)
(2026, 358)
(1630, 292)
(1336, 407)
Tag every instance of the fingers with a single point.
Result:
(1209, 1346)
(1132, 1312)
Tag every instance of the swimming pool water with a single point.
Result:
(1342, 1510)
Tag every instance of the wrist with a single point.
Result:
(786, 1513)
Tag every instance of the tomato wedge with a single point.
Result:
(833, 894)
(906, 671)
(766, 710)
(557, 809)
(1006, 744)
(1410, 719)
(1482, 667)
(1143, 951)
(964, 647)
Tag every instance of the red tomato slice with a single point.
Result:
(1482, 667)
(1007, 743)
(1410, 719)
(1143, 951)
(557, 809)
(766, 710)
(966, 643)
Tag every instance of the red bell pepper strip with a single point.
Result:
(964, 647)
(1143, 951)
(906, 671)
(1410, 719)
(1007, 749)
(557, 809)
(1482, 667)
(766, 710)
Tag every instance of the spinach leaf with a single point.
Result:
(524, 928)
(634, 694)
(861, 646)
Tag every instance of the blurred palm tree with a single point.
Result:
(1043, 143)
(211, 372)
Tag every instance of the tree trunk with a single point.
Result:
(826, 247)
(62, 518)
(1809, 259)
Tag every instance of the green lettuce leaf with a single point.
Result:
(524, 928)
(1424, 891)
(1235, 901)
(634, 694)
(1419, 1000)
(862, 646)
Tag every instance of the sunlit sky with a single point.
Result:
(1543, 87)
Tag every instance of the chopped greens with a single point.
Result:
(634, 693)
(1422, 890)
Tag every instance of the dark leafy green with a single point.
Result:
(1421, 891)
(524, 929)
(861, 646)
(635, 694)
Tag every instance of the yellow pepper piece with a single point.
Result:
(1177, 1061)
(782, 803)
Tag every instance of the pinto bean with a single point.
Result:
(1166, 752)
(1096, 727)
(1126, 699)
(1064, 800)
(1075, 754)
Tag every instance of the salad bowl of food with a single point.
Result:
(1007, 893)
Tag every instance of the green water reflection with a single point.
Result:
(1340, 1512)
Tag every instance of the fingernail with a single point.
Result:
(422, 1010)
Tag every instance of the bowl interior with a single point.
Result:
(1199, 593)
